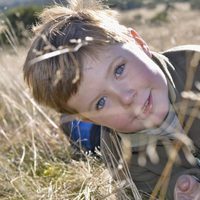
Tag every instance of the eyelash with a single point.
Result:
(102, 100)
(121, 68)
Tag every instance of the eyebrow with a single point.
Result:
(107, 72)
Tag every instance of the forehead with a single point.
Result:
(97, 53)
(102, 54)
(98, 62)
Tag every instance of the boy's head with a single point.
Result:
(94, 67)
(80, 29)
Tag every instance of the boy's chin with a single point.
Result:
(155, 120)
(160, 116)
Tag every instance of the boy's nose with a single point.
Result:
(126, 97)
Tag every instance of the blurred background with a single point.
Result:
(36, 161)
(162, 23)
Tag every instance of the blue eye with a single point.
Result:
(101, 103)
(119, 70)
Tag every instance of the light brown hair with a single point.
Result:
(53, 66)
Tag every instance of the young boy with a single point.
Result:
(84, 63)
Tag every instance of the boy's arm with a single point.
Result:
(145, 177)
(186, 76)
(82, 135)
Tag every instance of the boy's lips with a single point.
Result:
(147, 105)
(146, 109)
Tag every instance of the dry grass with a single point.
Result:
(35, 161)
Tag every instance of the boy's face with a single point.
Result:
(122, 88)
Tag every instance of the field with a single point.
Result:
(36, 161)
(160, 30)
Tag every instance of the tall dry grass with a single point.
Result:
(35, 159)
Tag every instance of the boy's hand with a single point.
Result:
(187, 188)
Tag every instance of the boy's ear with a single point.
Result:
(140, 42)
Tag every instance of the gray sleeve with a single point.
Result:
(146, 177)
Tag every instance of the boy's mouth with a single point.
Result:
(147, 108)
